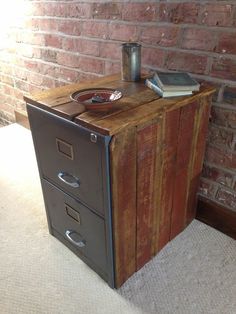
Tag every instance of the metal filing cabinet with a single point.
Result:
(111, 180)
(74, 169)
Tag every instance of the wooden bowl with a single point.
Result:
(97, 99)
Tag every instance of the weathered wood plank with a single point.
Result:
(185, 136)
(158, 175)
(146, 156)
(141, 114)
(65, 91)
(170, 129)
(138, 98)
(198, 156)
(123, 186)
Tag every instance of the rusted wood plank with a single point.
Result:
(123, 186)
(185, 137)
(146, 156)
(170, 129)
(198, 156)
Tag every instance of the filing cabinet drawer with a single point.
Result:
(77, 224)
(70, 156)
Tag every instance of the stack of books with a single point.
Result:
(172, 84)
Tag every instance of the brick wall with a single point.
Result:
(57, 42)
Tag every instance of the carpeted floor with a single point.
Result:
(195, 273)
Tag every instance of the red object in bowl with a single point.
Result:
(97, 99)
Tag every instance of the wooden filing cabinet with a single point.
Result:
(119, 185)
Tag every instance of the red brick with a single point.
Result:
(36, 9)
(21, 73)
(223, 117)
(229, 95)
(70, 27)
(6, 108)
(53, 9)
(140, 12)
(217, 175)
(221, 137)
(89, 47)
(30, 38)
(220, 157)
(48, 55)
(112, 67)
(217, 14)
(49, 25)
(106, 10)
(79, 10)
(87, 76)
(186, 62)
(198, 39)
(7, 79)
(110, 50)
(68, 59)
(83, 63)
(179, 12)
(227, 197)
(68, 75)
(224, 68)
(207, 188)
(163, 36)
(153, 57)
(91, 65)
(226, 43)
(95, 29)
(40, 80)
(53, 41)
(84, 46)
(123, 32)
(31, 23)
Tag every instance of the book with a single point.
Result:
(176, 81)
(152, 84)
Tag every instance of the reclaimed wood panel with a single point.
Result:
(170, 130)
(198, 156)
(140, 113)
(158, 173)
(64, 91)
(146, 205)
(123, 186)
(183, 158)
(129, 101)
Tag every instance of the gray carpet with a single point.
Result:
(195, 273)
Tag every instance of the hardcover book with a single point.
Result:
(152, 84)
(176, 81)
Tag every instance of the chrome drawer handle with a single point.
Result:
(69, 179)
(79, 244)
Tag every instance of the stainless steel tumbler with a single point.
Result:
(131, 62)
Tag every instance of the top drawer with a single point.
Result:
(70, 156)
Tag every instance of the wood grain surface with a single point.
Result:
(123, 181)
(146, 203)
(138, 103)
(183, 158)
(198, 149)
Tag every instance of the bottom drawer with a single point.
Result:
(83, 229)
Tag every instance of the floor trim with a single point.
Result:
(217, 216)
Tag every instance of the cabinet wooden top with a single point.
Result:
(138, 104)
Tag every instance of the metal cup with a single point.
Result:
(131, 62)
